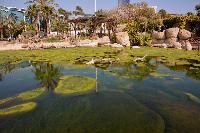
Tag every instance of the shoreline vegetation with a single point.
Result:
(82, 55)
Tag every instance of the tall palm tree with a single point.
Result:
(46, 9)
(33, 12)
(78, 11)
(47, 74)
(47, 12)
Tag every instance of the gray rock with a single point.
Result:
(172, 32)
(120, 27)
(188, 46)
(163, 45)
(184, 34)
(116, 45)
(155, 41)
(158, 35)
(177, 45)
(104, 40)
(171, 41)
(123, 39)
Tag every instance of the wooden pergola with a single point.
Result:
(74, 23)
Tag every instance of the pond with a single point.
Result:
(141, 98)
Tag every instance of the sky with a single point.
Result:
(172, 6)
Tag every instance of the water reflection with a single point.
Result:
(138, 71)
(8, 67)
(47, 74)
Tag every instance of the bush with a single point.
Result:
(132, 29)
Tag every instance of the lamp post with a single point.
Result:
(95, 5)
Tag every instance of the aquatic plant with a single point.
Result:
(75, 84)
(193, 97)
(18, 108)
(28, 95)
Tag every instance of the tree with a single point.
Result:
(32, 12)
(78, 11)
(64, 13)
(1, 25)
(163, 13)
(197, 8)
(45, 9)
(101, 13)
(190, 14)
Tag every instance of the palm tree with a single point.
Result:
(32, 12)
(1, 25)
(197, 8)
(47, 11)
(78, 11)
(47, 74)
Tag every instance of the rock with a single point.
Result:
(135, 47)
(172, 32)
(123, 38)
(177, 45)
(24, 46)
(188, 46)
(104, 40)
(88, 42)
(184, 34)
(163, 45)
(155, 41)
(171, 41)
(116, 45)
(120, 27)
(158, 35)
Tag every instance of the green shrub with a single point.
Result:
(132, 29)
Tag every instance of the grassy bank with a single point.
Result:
(81, 55)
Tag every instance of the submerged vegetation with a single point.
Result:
(24, 96)
(18, 109)
(75, 85)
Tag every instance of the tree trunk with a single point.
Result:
(36, 26)
(1, 33)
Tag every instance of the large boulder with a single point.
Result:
(104, 40)
(171, 41)
(123, 38)
(177, 45)
(188, 45)
(155, 41)
(184, 34)
(163, 45)
(116, 45)
(158, 35)
(172, 32)
(120, 27)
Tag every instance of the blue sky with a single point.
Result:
(172, 6)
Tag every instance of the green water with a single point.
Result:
(147, 97)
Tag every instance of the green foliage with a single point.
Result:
(191, 23)
(163, 13)
(197, 8)
(18, 109)
(75, 85)
(132, 30)
(144, 39)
